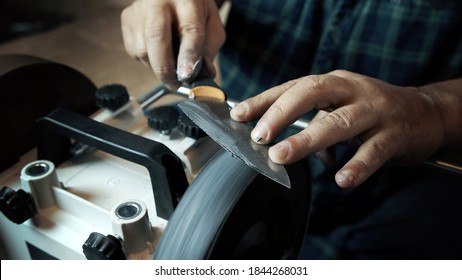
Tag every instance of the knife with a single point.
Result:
(208, 109)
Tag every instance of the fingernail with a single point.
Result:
(279, 152)
(187, 70)
(238, 112)
(344, 178)
(259, 135)
(184, 71)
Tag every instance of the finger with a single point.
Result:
(370, 156)
(215, 37)
(132, 35)
(327, 156)
(256, 106)
(158, 38)
(317, 91)
(126, 29)
(319, 115)
(191, 28)
(337, 126)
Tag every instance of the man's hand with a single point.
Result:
(391, 122)
(148, 27)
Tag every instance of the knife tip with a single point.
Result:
(286, 184)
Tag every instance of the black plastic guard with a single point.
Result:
(30, 88)
(165, 168)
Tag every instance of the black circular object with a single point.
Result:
(162, 118)
(37, 169)
(188, 128)
(111, 96)
(31, 88)
(17, 206)
(101, 247)
(232, 212)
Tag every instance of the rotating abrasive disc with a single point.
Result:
(232, 212)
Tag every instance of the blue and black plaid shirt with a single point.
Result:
(403, 42)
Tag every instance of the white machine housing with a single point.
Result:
(94, 191)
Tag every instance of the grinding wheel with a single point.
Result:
(232, 212)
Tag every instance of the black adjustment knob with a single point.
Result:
(189, 128)
(101, 247)
(111, 96)
(162, 118)
(17, 206)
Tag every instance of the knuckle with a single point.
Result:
(164, 73)
(341, 119)
(278, 111)
(314, 81)
(305, 139)
(385, 103)
(380, 150)
(340, 72)
(154, 32)
(191, 28)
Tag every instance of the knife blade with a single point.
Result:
(212, 116)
